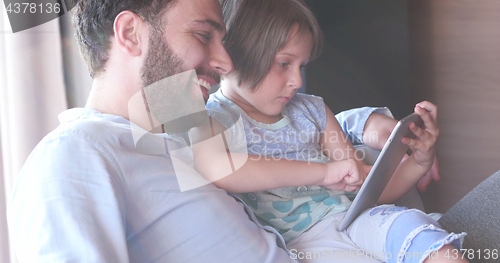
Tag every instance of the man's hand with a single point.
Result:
(345, 175)
(432, 174)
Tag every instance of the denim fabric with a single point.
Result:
(377, 235)
(413, 237)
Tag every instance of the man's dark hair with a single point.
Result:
(94, 19)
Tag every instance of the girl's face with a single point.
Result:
(266, 102)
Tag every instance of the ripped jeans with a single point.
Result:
(385, 233)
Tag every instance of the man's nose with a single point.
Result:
(220, 60)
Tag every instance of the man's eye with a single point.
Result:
(205, 36)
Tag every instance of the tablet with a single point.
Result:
(382, 171)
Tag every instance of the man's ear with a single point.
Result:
(129, 33)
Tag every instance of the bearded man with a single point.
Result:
(88, 194)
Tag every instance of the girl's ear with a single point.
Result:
(130, 33)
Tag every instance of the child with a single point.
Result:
(259, 113)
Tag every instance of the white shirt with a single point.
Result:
(86, 194)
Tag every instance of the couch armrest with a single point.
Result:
(478, 214)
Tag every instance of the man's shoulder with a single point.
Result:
(77, 151)
(88, 126)
(79, 118)
(83, 136)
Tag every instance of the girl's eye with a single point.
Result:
(303, 67)
(283, 64)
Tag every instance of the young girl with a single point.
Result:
(257, 112)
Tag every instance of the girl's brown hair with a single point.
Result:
(257, 29)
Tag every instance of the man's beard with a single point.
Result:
(170, 100)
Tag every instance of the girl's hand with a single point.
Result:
(345, 175)
(423, 146)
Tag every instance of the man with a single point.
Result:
(86, 194)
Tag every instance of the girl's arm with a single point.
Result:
(238, 173)
(377, 130)
(337, 147)
(418, 164)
